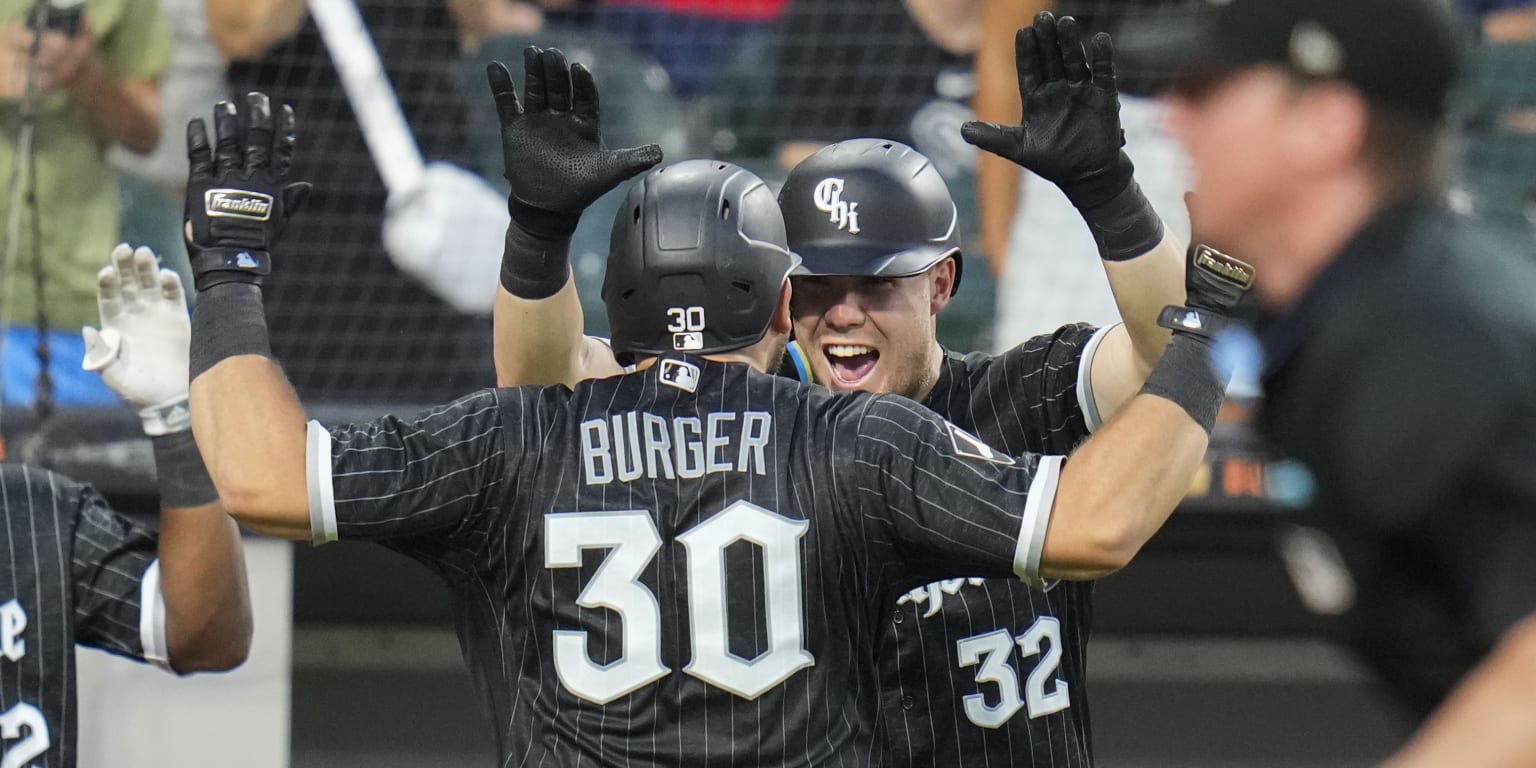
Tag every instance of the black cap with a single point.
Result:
(1399, 53)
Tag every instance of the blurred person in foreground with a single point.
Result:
(1399, 342)
(95, 84)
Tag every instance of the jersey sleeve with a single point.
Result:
(438, 474)
(1046, 384)
(118, 606)
(951, 504)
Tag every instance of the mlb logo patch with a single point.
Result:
(680, 374)
(972, 447)
(687, 341)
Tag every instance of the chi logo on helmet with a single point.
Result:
(829, 200)
(237, 204)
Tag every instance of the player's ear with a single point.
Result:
(941, 283)
(781, 320)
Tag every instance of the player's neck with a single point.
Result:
(1308, 234)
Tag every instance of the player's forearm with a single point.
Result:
(538, 341)
(125, 112)
(1120, 487)
(251, 430)
(1142, 287)
(1486, 722)
(203, 582)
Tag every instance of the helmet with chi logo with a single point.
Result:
(869, 207)
(697, 261)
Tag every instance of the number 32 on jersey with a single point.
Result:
(990, 653)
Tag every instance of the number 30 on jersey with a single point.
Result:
(634, 541)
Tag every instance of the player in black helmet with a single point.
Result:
(973, 670)
(687, 563)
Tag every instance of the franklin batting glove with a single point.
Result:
(1213, 284)
(239, 198)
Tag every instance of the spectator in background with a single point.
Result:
(691, 39)
(153, 186)
(97, 88)
(1030, 234)
(1501, 136)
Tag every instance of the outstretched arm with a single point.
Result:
(249, 424)
(141, 353)
(1054, 517)
(557, 166)
(1070, 135)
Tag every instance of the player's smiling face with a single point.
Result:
(868, 333)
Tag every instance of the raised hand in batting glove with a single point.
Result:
(239, 198)
(1070, 133)
(552, 144)
(141, 349)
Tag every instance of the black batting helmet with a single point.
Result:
(869, 207)
(697, 261)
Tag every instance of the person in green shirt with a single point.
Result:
(95, 88)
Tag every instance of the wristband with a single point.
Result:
(1125, 226)
(1185, 376)
(216, 266)
(167, 418)
(534, 267)
(183, 479)
(541, 223)
(228, 320)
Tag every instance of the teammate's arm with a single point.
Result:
(195, 611)
(1070, 135)
(557, 166)
(1078, 518)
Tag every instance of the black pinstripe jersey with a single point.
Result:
(991, 672)
(686, 565)
(71, 571)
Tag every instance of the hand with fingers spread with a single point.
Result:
(552, 144)
(141, 349)
(239, 198)
(1070, 132)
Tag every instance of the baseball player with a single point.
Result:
(74, 570)
(973, 670)
(686, 563)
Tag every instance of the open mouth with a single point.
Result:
(851, 364)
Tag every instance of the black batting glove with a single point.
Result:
(239, 198)
(1070, 131)
(1213, 284)
(552, 145)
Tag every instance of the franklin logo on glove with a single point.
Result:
(238, 204)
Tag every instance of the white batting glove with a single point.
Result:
(141, 350)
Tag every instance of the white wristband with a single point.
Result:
(167, 418)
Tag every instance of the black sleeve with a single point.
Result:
(951, 505)
(436, 476)
(118, 607)
(1432, 444)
